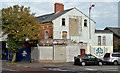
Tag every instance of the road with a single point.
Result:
(57, 67)
(103, 68)
(73, 69)
(19, 71)
(9, 70)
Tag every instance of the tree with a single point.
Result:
(19, 24)
(13, 46)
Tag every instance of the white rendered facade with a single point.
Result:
(84, 33)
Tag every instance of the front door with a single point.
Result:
(82, 51)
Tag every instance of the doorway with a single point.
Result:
(64, 35)
(46, 34)
(82, 51)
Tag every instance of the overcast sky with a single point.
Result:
(104, 13)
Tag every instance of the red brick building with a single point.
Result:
(46, 21)
(47, 31)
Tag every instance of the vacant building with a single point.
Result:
(68, 33)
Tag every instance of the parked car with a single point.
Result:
(87, 59)
(112, 58)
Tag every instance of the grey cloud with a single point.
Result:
(104, 13)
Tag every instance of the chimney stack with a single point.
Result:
(58, 7)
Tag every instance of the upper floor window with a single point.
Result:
(104, 40)
(85, 23)
(63, 21)
(99, 40)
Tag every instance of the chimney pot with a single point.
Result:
(58, 7)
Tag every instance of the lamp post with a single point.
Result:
(90, 27)
(90, 22)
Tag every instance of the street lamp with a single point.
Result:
(89, 21)
(90, 27)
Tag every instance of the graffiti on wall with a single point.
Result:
(99, 51)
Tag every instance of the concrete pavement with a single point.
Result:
(37, 64)
(26, 66)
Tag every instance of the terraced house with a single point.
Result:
(68, 33)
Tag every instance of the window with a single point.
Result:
(115, 55)
(63, 21)
(107, 55)
(91, 57)
(46, 34)
(64, 34)
(85, 23)
(99, 40)
(84, 57)
(104, 40)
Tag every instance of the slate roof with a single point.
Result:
(102, 31)
(49, 17)
(42, 18)
(114, 30)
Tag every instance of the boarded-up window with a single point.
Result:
(99, 40)
(63, 21)
(104, 40)
(73, 27)
(85, 23)
(64, 34)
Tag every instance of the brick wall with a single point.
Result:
(58, 7)
(46, 27)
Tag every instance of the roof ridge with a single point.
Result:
(55, 13)
(114, 27)
(102, 31)
(52, 16)
(63, 10)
